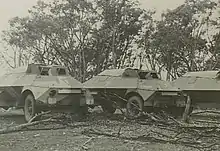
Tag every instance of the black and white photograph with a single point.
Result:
(109, 75)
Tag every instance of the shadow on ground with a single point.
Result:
(13, 116)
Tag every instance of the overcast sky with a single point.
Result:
(11, 8)
(161, 5)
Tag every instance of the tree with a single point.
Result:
(121, 21)
(57, 37)
(179, 43)
(79, 34)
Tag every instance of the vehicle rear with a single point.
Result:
(11, 85)
(203, 87)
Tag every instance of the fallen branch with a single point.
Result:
(162, 127)
(161, 134)
(206, 111)
(38, 115)
(199, 126)
(207, 121)
(83, 146)
(173, 119)
(146, 138)
(119, 130)
(22, 126)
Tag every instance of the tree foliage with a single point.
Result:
(179, 43)
(89, 36)
(81, 35)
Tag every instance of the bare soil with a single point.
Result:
(97, 132)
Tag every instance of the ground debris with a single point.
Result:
(33, 125)
(166, 130)
(198, 135)
(20, 127)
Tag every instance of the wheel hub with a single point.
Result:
(134, 108)
(30, 109)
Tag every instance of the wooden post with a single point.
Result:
(187, 108)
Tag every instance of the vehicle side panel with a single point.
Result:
(102, 82)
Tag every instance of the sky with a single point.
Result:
(161, 5)
(12, 8)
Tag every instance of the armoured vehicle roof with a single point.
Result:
(40, 75)
(127, 72)
(201, 80)
(127, 78)
(202, 74)
(33, 69)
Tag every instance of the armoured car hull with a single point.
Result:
(135, 90)
(36, 87)
(203, 87)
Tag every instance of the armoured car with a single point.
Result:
(37, 88)
(203, 88)
(136, 90)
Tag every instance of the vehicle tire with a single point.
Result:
(134, 107)
(29, 107)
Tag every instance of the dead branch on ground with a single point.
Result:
(38, 115)
(84, 144)
(207, 121)
(119, 130)
(150, 137)
(22, 126)
(31, 122)
(206, 111)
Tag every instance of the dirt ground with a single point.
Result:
(97, 132)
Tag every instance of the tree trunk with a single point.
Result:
(83, 66)
(113, 48)
(15, 60)
(19, 58)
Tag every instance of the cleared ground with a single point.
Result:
(99, 132)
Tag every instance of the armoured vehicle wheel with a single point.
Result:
(29, 107)
(134, 107)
